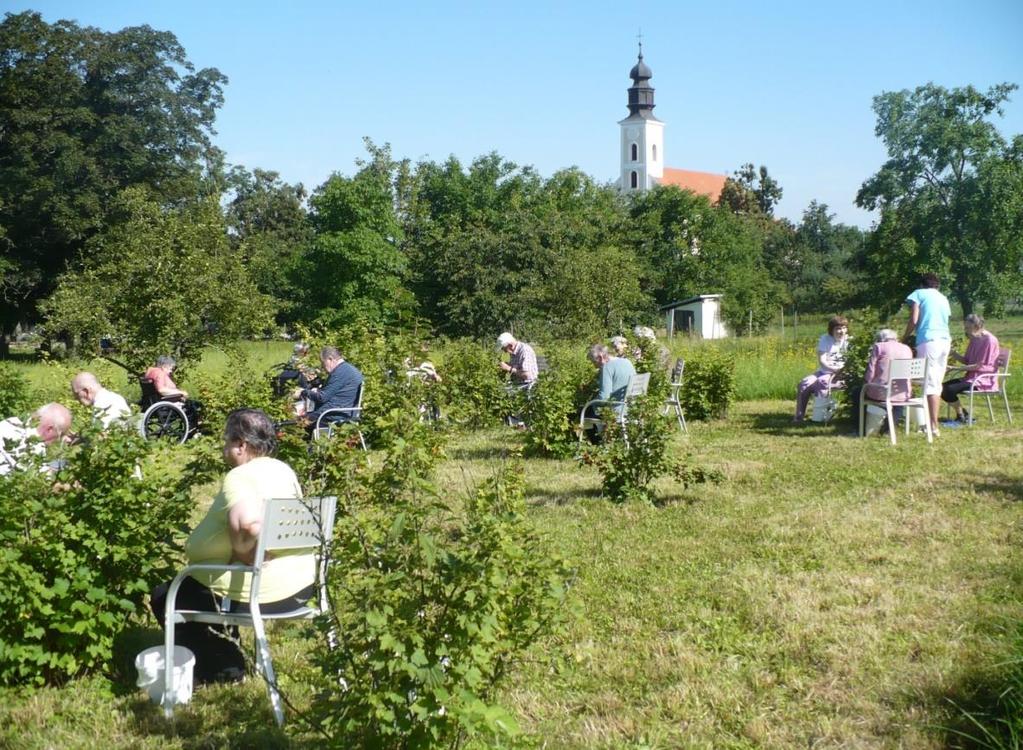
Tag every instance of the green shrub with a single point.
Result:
(552, 409)
(628, 470)
(239, 385)
(432, 603)
(78, 558)
(15, 395)
(474, 391)
(709, 383)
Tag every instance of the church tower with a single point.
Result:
(642, 133)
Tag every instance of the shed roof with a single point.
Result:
(689, 301)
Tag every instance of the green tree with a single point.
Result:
(949, 195)
(355, 269)
(159, 281)
(85, 114)
(751, 191)
(267, 220)
(693, 247)
(826, 262)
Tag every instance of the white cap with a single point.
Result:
(643, 332)
(504, 339)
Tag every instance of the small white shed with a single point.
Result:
(698, 316)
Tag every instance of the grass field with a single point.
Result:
(830, 592)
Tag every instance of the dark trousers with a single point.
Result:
(215, 646)
(950, 390)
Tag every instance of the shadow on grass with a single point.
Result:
(127, 646)
(987, 710)
(775, 423)
(541, 497)
(484, 453)
(999, 484)
(219, 716)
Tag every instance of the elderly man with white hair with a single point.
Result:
(47, 425)
(107, 407)
(521, 365)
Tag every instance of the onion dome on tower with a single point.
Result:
(641, 93)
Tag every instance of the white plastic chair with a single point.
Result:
(674, 401)
(998, 377)
(908, 370)
(637, 386)
(325, 427)
(288, 524)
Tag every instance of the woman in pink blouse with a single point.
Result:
(979, 363)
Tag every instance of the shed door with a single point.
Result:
(685, 320)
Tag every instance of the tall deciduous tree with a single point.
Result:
(949, 194)
(85, 114)
(751, 191)
(356, 269)
(267, 220)
(159, 281)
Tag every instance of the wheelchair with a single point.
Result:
(166, 418)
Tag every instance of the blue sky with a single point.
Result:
(785, 84)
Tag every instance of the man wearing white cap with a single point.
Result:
(521, 365)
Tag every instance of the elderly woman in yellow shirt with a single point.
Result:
(228, 533)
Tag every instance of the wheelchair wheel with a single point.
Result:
(165, 421)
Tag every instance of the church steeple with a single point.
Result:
(642, 144)
(641, 93)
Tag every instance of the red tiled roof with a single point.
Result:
(701, 183)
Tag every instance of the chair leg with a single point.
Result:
(990, 409)
(265, 665)
(1008, 412)
(891, 420)
(168, 668)
(682, 420)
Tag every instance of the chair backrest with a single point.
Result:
(638, 384)
(149, 393)
(542, 364)
(1002, 362)
(677, 371)
(906, 369)
(297, 523)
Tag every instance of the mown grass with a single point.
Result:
(831, 592)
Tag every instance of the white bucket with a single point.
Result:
(823, 408)
(916, 414)
(149, 664)
(873, 419)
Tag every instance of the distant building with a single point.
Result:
(642, 154)
(698, 316)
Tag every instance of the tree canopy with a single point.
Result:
(949, 194)
(159, 281)
(85, 114)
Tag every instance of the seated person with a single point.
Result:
(979, 361)
(228, 534)
(48, 425)
(427, 373)
(161, 377)
(613, 379)
(107, 407)
(831, 350)
(341, 391)
(886, 348)
(296, 369)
